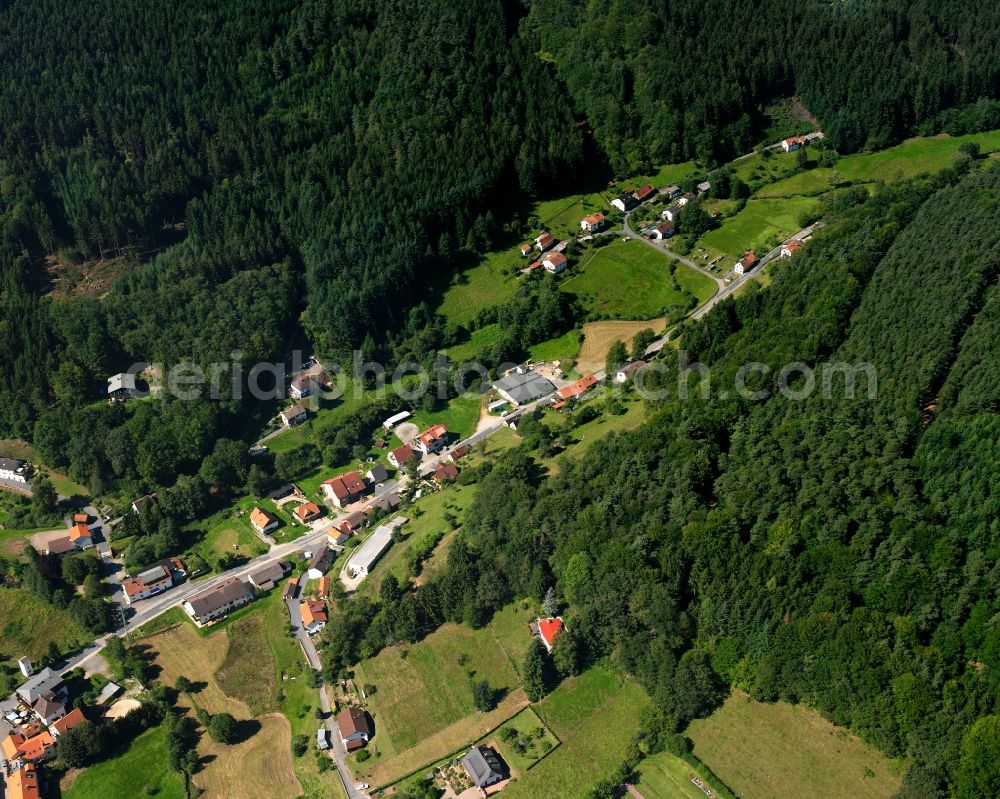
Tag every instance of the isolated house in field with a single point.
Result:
(547, 629)
(789, 247)
(745, 264)
(432, 440)
(302, 387)
(313, 613)
(355, 728)
(644, 193)
(400, 456)
(217, 602)
(295, 415)
(545, 241)
(793, 143)
(122, 386)
(307, 512)
(592, 223)
(16, 471)
(484, 767)
(322, 741)
(263, 522)
(555, 262)
(664, 230)
(345, 489)
(522, 385)
(672, 213)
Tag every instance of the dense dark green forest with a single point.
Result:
(839, 552)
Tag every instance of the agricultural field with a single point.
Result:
(28, 625)
(538, 741)
(629, 280)
(144, 765)
(257, 768)
(594, 716)
(599, 336)
(771, 751)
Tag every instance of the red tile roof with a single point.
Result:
(547, 629)
(402, 454)
(306, 511)
(644, 192)
(581, 386)
(433, 433)
(78, 531)
(346, 485)
(445, 471)
(23, 783)
(69, 721)
(312, 610)
(594, 219)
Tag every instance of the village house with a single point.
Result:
(355, 727)
(217, 602)
(626, 202)
(545, 241)
(291, 589)
(18, 747)
(644, 193)
(577, 389)
(23, 783)
(555, 262)
(79, 534)
(484, 767)
(628, 371)
(533, 266)
(664, 230)
(146, 584)
(269, 575)
(323, 590)
(547, 629)
(385, 503)
(72, 719)
(14, 470)
(671, 192)
(122, 387)
(45, 682)
(345, 489)
(703, 187)
(400, 456)
(142, 505)
(302, 387)
(60, 546)
(458, 452)
(685, 198)
(293, 416)
(432, 440)
(313, 613)
(526, 249)
(48, 709)
(789, 247)
(377, 474)
(672, 213)
(592, 222)
(745, 263)
(522, 385)
(353, 522)
(793, 143)
(320, 562)
(445, 471)
(307, 512)
(263, 521)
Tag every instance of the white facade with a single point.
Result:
(376, 545)
(14, 470)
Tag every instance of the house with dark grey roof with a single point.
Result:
(269, 575)
(484, 767)
(522, 386)
(218, 601)
(45, 682)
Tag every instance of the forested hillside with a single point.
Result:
(839, 552)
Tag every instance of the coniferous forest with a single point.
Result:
(320, 169)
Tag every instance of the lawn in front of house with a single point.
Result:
(223, 533)
(775, 750)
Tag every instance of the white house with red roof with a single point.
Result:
(593, 222)
(345, 488)
(788, 248)
(432, 440)
(547, 629)
(745, 263)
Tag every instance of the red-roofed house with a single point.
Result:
(80, 536)
(526, 249)
(793, 143)
(788, 248)
(23, 783)
(547, 629)
(745, 263)
(263, 522)
(401, 455)
(313, 615)
(67, 722)
(432, 440)
(545, 241)
(307, 512)
(445, 471)
(643, 193)
(593, 222)
(581, 386)
(555, 262)
(345, 488)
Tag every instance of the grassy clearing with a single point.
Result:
(563, 349)
(244, 674)
(604, 425)
(666, 175)
(561, 216)
(595, 716)
(480, 338)
(489, 282)
(143, 764)
(180, 652)
(599, 336)
(225, 533)
(665, 776)
(761, 225)
(28, 625)
(627, 280)
(765, 751)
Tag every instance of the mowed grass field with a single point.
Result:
(594, 716)
(773, 751)
(629, 280)
(144, 764)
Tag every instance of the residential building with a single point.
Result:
(704, 187)
(686, 198)
(672, 213)
(555, 262)
(281, 492)
(522, 385)
(122, 386)
(626, 202)
(545, 241)
(644, 193)
(745, 263)
(353, 522)
(269, 575)
(34, 749)
(323, 590)
(401, 455)
(526, 249)
(377, 474)
(432, 440)
(345, 489)
(291, 589)
(364, 558)
(142, 505)
(789, 247)
(445, 471)
(60, 546)
(307, 512)
(337, 536)
(592, 222)
(263, 521)
(320, 562)
(794, 143)
(458, 452)
(302, 387)
(217, 602)
(355, 727)
(392, 421)
(386, 502)
(48, 709)
(580, 387)
(148, 583)
(313, 613)
(628, 371)
(295, 415)
(79, 534)
(23, 783)
(547, 629)
(15, 471)
(672, 192)
(45, 682)
(72, 719)
(484, 767)
(533, 266)
(664, 230)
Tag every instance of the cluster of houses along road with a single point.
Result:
(551, 253)
(40, 713)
